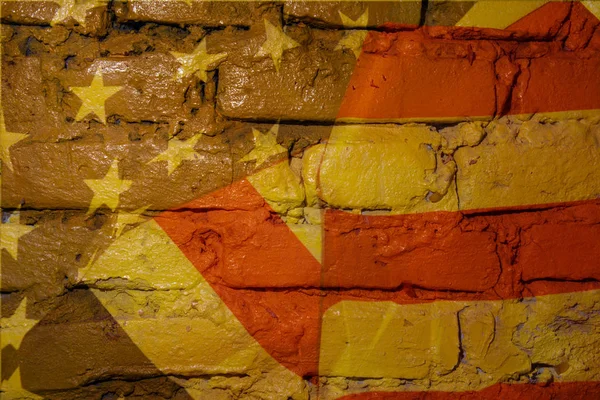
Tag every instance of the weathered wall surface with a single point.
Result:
(300, 200)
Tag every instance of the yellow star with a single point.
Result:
(277, 42)
(12, 332)
(265, 146)
(77, 9)
(11, 232)
(198, 61)
(177, 152)
(14, 328)
(13, 388)
(93, 97)
(7, 139)
(128, 218)
(108, 189)
(353, 40)
(361, 22)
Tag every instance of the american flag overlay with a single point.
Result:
(359, 200)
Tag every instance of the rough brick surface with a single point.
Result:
(327, 13)
(300, 200)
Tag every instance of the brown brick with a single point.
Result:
(446, 13)
(327, 13)
(309, 86)
(209, 14)
(51, 175)
(43, 12)
(51, 253)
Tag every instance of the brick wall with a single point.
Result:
(300, 199)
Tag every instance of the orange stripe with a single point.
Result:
(504, 391)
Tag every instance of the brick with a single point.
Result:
(208, 14)
(149, 92)
(421, 342)
(72, 153)
(94, 23)
(327, 13)
(567, 81)
(428, 251)
(51, 175)
(487, 337)
(407, 338)
(406, 76)
(309, 85)
(49, 256)
(92, 341)
(545, 23)
(574, 246)
(446, 13)
(28, 12)
(529, 163)
(381, 167)
(22, 100)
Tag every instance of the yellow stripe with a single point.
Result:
(531, 163)
(496, 340)
(381, 167)
(498, 14)
(411, 169)
(593, 6)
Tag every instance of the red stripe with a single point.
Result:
(278, 291)
(426, 73)
(503, 391)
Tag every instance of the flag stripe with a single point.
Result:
(554, 390)
(409, 169)
(239, 245)
(429, 74)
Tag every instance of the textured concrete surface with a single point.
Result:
(300, 200)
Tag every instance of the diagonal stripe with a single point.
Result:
(498, 14)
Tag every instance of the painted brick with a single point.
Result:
(382, 167)
(208, 14)
(309, 85)
(327, 13)
(42, 178)
(94, 20)
(529, 163)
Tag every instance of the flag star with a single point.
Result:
(198, 61)
(93, 97)
(19, 323)
(13, 388)
(177, 152)
(7, 139)
(265, 146)
(108, 189)
(12, 332)
(353, 40)
(277, 42)
(361, 22)
(10, 233)
(77, 9)
(125, 218)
